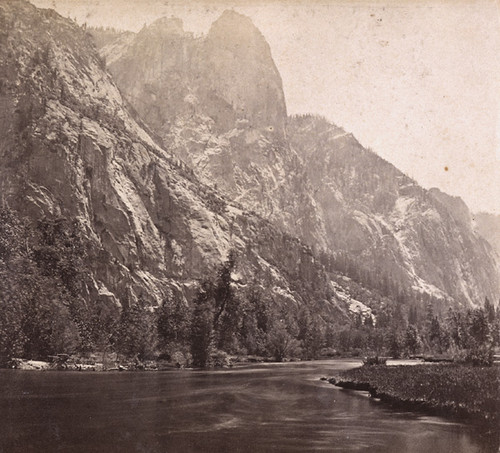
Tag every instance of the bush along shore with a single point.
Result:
(115, 362)
(443, 389)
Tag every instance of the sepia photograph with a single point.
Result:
(249, 226)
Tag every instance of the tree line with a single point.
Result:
(44, 271)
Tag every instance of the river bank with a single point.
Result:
(85, 365)
(112, 362)
(444, 389)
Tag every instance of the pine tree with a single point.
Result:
(202, 334)
(411, 340)
(395, 344)
(478, 326)
(227, 312)
(489, 309)
(310, 334)
(172, 322)
(254, 321)
(133, 336)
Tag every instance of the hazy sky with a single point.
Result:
(416, 81)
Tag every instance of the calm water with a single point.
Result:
(278, 407)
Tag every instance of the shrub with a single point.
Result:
(220, 359)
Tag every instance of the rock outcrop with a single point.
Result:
(217, 103)
(228, 76)
(236, 60)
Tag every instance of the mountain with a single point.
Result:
(217, 103)
(70, 151)
(177, 74)
(420, 239)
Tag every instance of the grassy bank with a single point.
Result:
(445, 389)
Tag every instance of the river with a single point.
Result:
(251, 408)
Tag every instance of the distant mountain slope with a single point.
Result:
(218, 104)
(386, 221)
(69, 148)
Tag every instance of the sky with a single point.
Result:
(417, 81)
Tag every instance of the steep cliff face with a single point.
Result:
(74, 151)
(162, 57)
(70, 148)
(217, 103)
(228, 76)
(160, 218)
(386, 221)
(242, 72)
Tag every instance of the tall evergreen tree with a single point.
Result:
(202, 332)
(227, 313)
(133, 336)
(173, 320)
(489, 310)
(411, 340)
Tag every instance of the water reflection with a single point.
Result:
(253, 408)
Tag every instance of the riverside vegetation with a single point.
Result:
(445, 389)
(42, 313)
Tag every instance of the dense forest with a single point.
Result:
(44, 271)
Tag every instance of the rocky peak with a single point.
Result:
(242, 72)
(237, 33)
(229, 75)
(165, 26)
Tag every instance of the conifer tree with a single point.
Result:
(227, 313)
(202, 333)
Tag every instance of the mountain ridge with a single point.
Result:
(367, 210)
